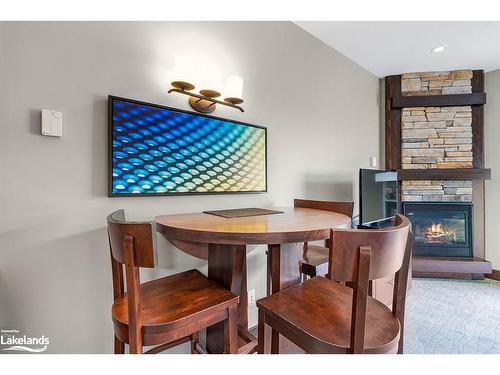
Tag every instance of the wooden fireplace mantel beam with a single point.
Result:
(476, 98)
(444, 174)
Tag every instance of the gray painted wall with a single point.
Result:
(492, 160)
(322, 112)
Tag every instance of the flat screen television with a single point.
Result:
(378, 197)
(158, 150)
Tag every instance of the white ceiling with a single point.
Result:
(386, 48)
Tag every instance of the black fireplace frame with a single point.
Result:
(436, 250)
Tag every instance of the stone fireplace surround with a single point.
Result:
(435, 138)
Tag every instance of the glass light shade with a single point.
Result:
(234, 87)
(183, 70)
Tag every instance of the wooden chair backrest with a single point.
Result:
(133, 245)
(359, 256)
(344, 208)
(143, 235)
(387, 250)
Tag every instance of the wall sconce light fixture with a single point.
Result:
(205, 101)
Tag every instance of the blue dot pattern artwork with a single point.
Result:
(160, 151)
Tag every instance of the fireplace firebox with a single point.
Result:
(440, 229)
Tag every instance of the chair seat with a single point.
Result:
(317, 314)
(316, 261)
(174, 301)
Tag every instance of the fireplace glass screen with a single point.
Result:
(440, 229)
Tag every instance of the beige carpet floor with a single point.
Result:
(453, 317)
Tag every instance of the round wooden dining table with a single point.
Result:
(222, 241)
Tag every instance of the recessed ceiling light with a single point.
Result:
(438, 49)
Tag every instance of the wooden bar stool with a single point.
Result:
(321, 315)
(314, 260)
(164, 312)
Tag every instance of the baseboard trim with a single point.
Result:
(495, 275)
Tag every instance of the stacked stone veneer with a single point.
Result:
(437, 83)
(436, 137)
(437, 191)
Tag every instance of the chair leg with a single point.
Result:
(135, 343)
(275, 342)
(261, 333)
(119, 346)
(195, 338)
(231, 332)
(135, 348)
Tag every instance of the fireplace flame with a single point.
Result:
(436, 232)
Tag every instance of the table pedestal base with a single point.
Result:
(227, 266)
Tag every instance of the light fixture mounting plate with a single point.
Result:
(201, 105)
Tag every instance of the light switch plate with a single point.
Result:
(51, 123)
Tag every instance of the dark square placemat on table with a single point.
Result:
(243, 212)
